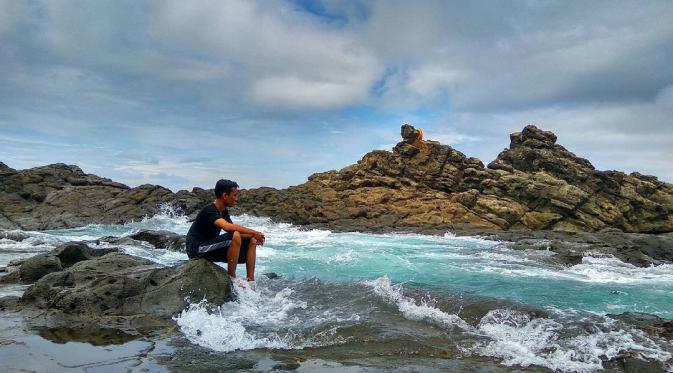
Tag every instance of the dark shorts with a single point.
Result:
(216, 249)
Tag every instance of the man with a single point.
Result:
(237, 245)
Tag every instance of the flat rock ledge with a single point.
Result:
(640, 250)
(76, 280)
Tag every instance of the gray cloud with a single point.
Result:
(179, 92)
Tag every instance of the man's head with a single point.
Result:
(226, 190)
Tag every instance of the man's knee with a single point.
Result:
(236, 238)
(253, 242)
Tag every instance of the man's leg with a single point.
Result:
(232, 254)
(250, 258)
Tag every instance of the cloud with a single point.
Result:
(289, 58)
(268, 92)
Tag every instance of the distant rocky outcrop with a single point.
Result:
(421, 186)
(425, 186)
(63, 196)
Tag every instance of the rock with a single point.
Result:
(535, 184)
(641, 250)
(161, 239)
(651, 324)
(117, 284)
(36, 267)
(63, 196)
(13, 235)
(29, 270)
(421, 186)
(71, 253)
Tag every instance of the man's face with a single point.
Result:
(230, 199)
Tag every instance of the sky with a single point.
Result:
(182, 93)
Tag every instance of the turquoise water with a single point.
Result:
(343, 287)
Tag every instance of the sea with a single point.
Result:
(385, 302)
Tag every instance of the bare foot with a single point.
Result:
(238, 282)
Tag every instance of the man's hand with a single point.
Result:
(259, 236)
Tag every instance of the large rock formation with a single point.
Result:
(62, 196)
(421, 185)
(426, 186)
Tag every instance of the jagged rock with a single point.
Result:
(424, 186)
(63, 196)
(161, 239)
(117, 284)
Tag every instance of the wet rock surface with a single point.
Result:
(641, 250)
(30, 270)
(74, 279)
(419, 186)
(161, 239)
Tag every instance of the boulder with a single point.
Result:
(29, 270)
(161, 239)
(117, 284)
(651, 324)
(36, 267)
(641, 250)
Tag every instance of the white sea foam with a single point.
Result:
(592, 270)
(161, 256)
(346, 257)
(258, 318)
(607, 269)
(168, 218)
(412, 311)
(519, 340)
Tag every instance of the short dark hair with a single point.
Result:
(224, 186)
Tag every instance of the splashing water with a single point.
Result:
(340, 288)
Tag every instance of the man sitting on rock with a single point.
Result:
(237, 245)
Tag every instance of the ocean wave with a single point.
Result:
(410, 309)
(258, 318)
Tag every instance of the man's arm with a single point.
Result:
(225, 225)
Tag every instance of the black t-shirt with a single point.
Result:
(203, 228)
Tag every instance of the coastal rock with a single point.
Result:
(63, 196)
(419, 186)
(424, 186)
(117, 284)
(32, 269)
(161, 239)
(641, 250)
(652, 324)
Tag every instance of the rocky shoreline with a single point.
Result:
(536, 195)
(421, 186)
(104, 297)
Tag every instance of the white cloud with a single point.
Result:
(248, 83)
(286, 58)
(430, 79)
(296, 92)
